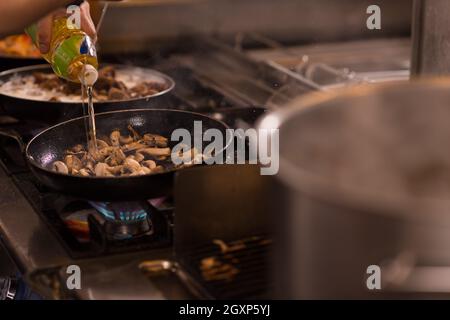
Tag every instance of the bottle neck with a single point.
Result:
(88, 75)
(82, 69)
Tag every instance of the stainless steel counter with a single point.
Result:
(35, 250)
(27, 238)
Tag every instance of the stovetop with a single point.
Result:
(78, 226)
(43, 230)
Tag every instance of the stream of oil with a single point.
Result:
(89, 118)
(89, 114)
(88, 110)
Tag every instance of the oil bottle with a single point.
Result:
(72, 53)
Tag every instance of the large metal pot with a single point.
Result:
(365, 180)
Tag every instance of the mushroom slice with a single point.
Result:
(158, 169)
(156, 152)
(116, 158)
(138, 156)
(80, 154)
(118, 153)
(101, 170)
(132, 165)
(149, 164)
(89, 165)
(190, 157)
(142, 171)
(106, 151)
(102, 144)
(73, 162)
(84, 172)
(146, 170)
(137, 173)
(155, 140)
(77, 148)
(133, 146)
(98, 157)
(136, 136)
(105, 139)
(114, 137)
(126, 140)
(60, 167)
(115, 170)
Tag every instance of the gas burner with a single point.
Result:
(118, 226)
(93, 229)
(124, 220)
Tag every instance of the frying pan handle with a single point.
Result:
(11, 133)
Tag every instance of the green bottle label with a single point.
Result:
(70, 49)
(67, 50)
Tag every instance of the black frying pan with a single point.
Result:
(53, 112)
(50, 145)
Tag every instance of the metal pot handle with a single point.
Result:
(403, 275)
(425, 279)
(11, 133)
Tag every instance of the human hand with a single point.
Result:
(45, 26)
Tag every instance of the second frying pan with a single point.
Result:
(8, 62)
(51, 112)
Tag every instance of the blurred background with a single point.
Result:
(138, 25)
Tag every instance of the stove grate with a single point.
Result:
(232, 270)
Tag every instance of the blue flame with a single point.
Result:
(124, 215)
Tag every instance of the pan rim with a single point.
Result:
(33, 162)
(167, 79)
(12, 56)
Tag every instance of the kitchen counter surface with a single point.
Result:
(35, 250)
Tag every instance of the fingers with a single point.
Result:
(87, 25)
(45, 26)
(45, 33)
(45, 30)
